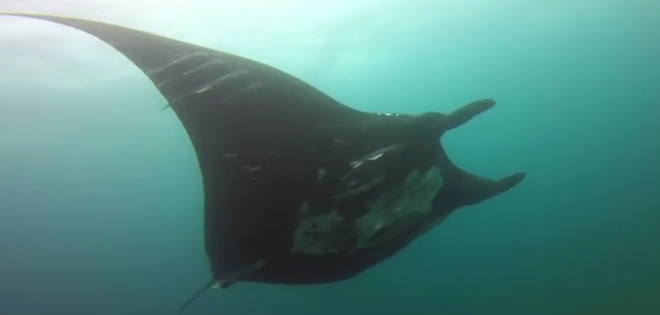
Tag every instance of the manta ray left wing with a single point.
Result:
(246, 121)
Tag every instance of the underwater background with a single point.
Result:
(101, 197)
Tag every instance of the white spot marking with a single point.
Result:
(176, 61)
(325, 225)
(252, 86)
(251, 168)
(320, 173)
(365, 186)
(202, 66)
(389, 216)
(220, 80)
(413, 199)
(375, 156)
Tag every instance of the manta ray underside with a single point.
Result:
(299, 188)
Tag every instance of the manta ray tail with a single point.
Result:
(197, 294)
(237, 275)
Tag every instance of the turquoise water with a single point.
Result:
(101, 199)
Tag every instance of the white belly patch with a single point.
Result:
(388, 216)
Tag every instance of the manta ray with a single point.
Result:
(298, 187)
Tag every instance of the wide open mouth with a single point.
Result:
(380, 198)
(394, 212)
(467, 188)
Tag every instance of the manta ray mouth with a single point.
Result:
(390, 215)
(394, 213)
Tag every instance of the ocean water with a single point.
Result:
(101, 196)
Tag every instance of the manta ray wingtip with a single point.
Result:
(509, 182)
(25, 14)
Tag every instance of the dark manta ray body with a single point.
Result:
(298, 188)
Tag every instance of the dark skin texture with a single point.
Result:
(261, 136)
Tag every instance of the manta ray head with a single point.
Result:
(392, 182)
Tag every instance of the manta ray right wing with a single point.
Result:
(247, 122)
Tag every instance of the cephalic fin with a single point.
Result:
(465, 113)
(475, 189)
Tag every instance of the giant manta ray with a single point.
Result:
(299, 188)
